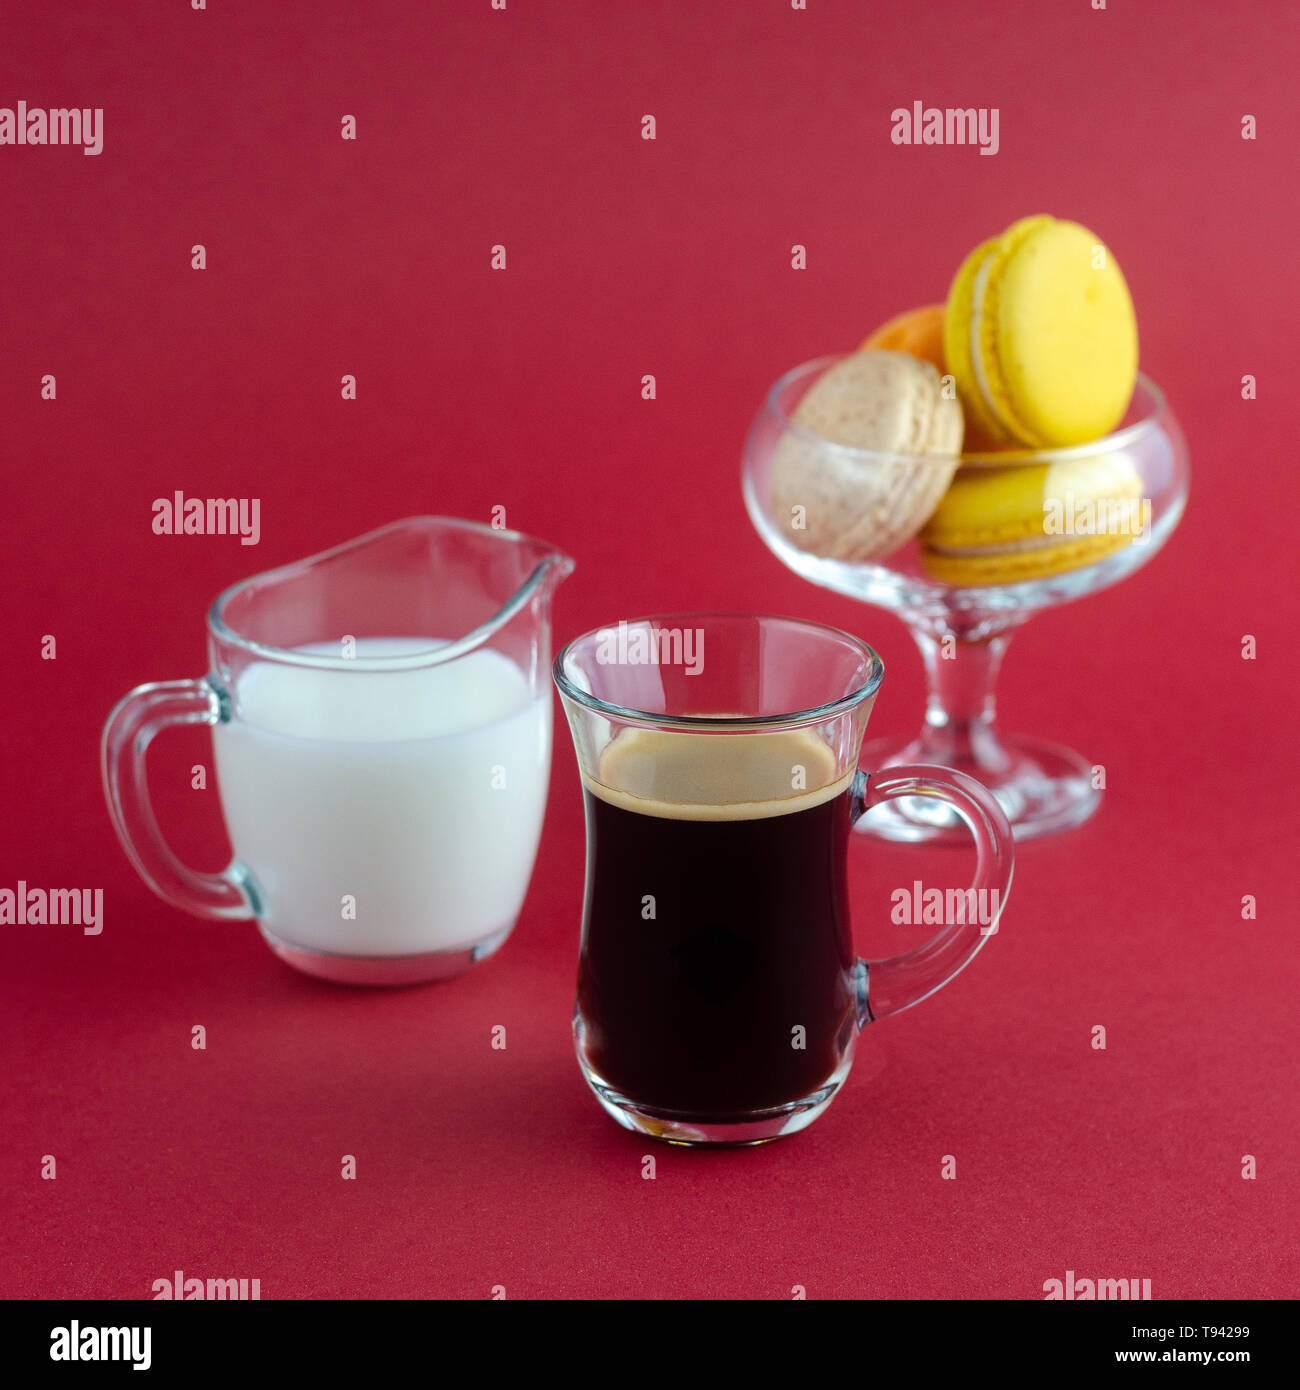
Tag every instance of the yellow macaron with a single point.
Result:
(1033, 520)
(1040, 335)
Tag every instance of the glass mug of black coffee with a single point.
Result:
(718, 996)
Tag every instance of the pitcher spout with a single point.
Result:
(551, 569)
(518, 572)
(444, 585)
(544, 568)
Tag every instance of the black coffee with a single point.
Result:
(714, 976)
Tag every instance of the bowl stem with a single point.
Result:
(1042, 787)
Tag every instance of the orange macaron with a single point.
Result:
(917, 332)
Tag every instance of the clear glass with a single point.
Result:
(718, 998)
(381, 721)
(963, 632)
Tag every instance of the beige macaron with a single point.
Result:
(837, 502)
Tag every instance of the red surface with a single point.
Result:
(478, 1167)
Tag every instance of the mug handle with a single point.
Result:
(890, 986)
(137, 717)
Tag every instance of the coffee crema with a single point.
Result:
(707, 776)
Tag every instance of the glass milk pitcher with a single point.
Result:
(381, 724)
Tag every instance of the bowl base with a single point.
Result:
(1042, 787)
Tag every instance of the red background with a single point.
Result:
(522, 388)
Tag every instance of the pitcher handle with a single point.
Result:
(137, 717)
(890, 986)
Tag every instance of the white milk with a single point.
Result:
(418, 794)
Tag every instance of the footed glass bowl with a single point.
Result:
(963, 631)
